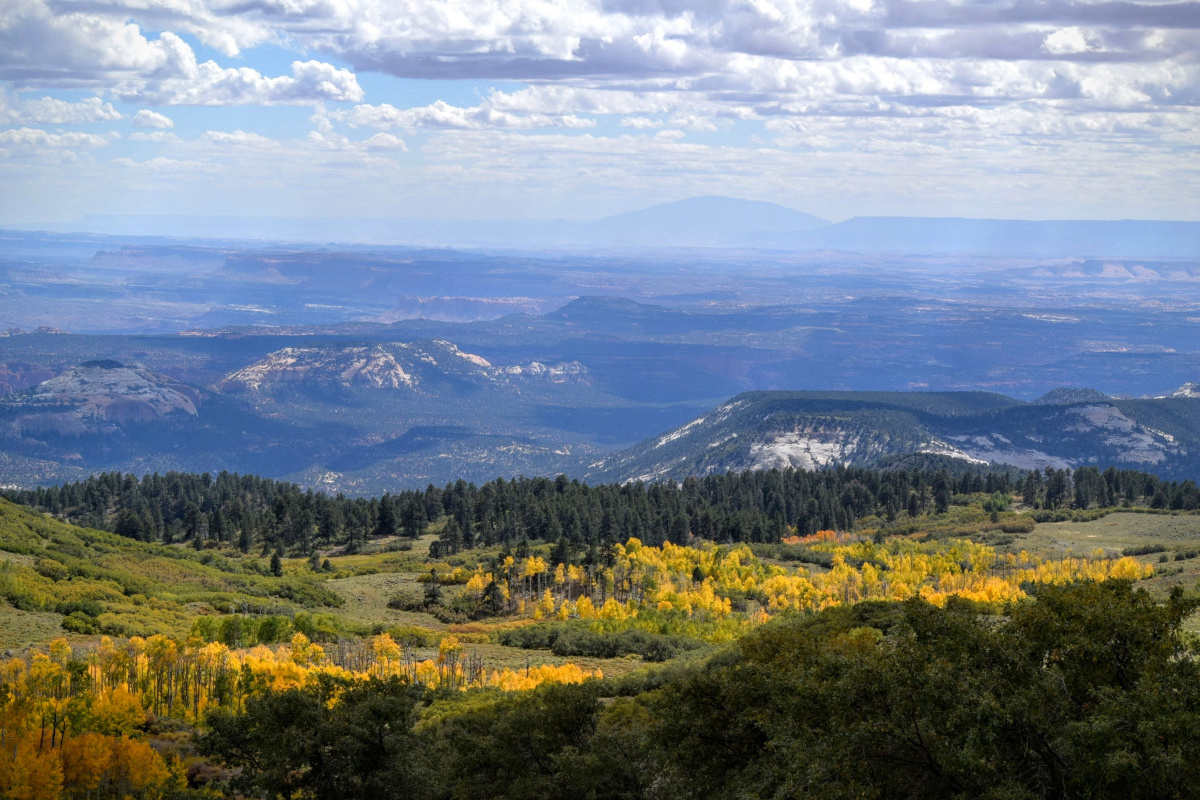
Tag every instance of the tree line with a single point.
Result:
(247, 511)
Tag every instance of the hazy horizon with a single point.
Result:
(710, 222)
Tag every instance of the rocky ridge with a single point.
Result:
(415, 367)
(809, 430)
(98, 397)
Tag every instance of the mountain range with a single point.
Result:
(355, 417)
(816, 430)
(704, 222)
(363, 368)
(368, 417)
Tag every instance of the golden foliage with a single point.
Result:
(700, 581)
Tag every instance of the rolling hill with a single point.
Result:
(812, 430)
(58, 577)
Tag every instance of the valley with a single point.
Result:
(444, 498)
(375, 365)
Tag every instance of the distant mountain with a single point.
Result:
(698, 222)
(701, 221)
(1065, 396)
(1191, 390)
(460, 309)
(346, 416)
(997, 237)
(97, 397)
(694, 222)
(813, 430)
(428, 368)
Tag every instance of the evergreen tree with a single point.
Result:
(385, 523)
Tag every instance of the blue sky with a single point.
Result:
(579, 108)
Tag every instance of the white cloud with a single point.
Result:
(624, 57)
(103, 48)
(50, 110)
(963, 91)
(37, 139)
(443, 115)
(564, 99)
(641, 123)
(238, 138)
(209, 84)
(1067, 41)
(156, 137)
(385, 141)
(146, 118)
(41, 47)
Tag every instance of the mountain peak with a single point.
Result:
(704, 221)
(1191, 390)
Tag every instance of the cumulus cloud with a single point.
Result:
(101, 47)
(146, 118)
(928, 81)
(1067, 41)
(209, 84)
(52, 111)
(238, 138)
(735, 56)
(443, 115)
(572, 39)
(156, 137)
(385, 141)
(38, 139)
(642, 123)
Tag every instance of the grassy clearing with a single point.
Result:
(367, 598)
(19, 629)
(497, 656)
(124, 587)
(1116, 532)
(1178, 534)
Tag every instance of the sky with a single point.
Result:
(1034, 109)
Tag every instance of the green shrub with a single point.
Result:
(1144, 550)
(413, 636)
(49, 568)
(88, 608)
(78, 622)
(406, 601)
(576, 639)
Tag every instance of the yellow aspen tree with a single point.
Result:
(584, 609)
(85, 760)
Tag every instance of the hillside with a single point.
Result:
(539, 598)
(98, 397)
(60, 578)
(812, 430)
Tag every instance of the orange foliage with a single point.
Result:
(85, 759)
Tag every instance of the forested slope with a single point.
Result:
(248, 512)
